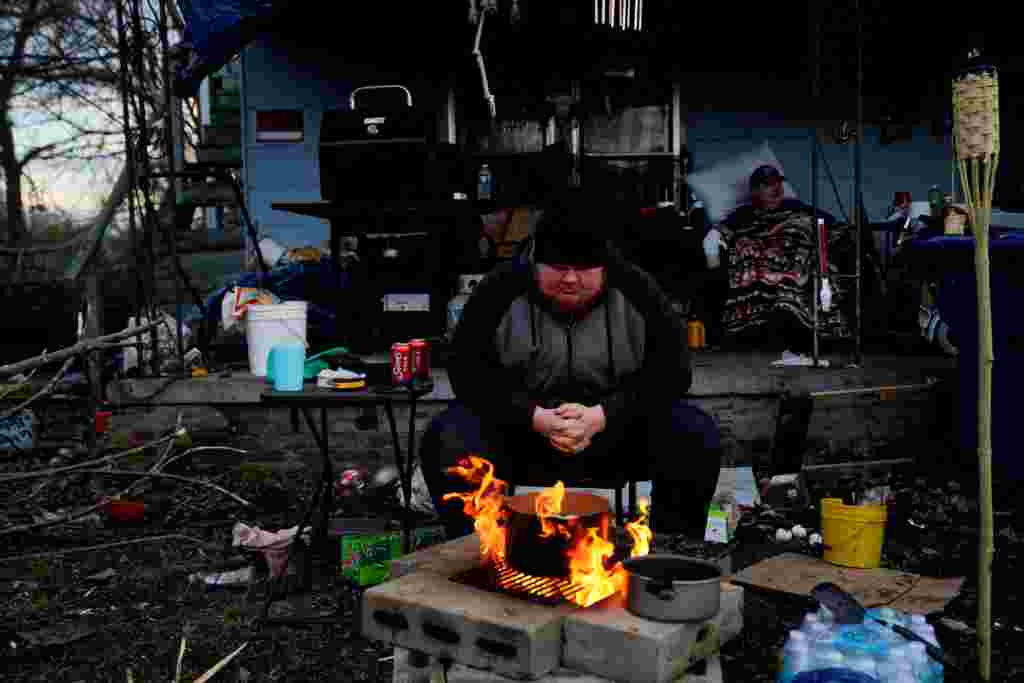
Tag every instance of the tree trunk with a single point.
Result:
(12, 176)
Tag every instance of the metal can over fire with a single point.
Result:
(401, 363)
(420, 358)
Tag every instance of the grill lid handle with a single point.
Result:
(352, 97)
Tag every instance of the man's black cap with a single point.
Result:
(765, 175)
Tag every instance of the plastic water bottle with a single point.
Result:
(826, 295)
(920, 626)
(818, 632)
(796, 656)
(485, 184)
(864, 664)
(825, 656)
(919, 660)
(712, 246)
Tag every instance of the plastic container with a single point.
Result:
(852, 534)
(285, 364)
(958, 306)
(268, 325)
(104, 419)
(127, 510)
(856, 653)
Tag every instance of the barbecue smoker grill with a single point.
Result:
(382, 165)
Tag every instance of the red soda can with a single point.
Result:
(420, 358)
(401, 363)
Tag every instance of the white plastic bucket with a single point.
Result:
(270, 324)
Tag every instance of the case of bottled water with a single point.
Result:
(822, 651)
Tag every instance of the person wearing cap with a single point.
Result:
(771, 249)
(569, 364)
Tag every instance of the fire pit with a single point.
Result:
(507, 598)
(551, 546)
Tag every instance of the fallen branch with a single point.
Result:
(79, 348)
(142, 476)
(103, 546)
(168, 461)
(45, 391)
(19, 476)
(220, 665)
(174, 477)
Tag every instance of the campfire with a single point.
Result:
(553, 545)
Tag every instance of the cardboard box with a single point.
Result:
(368, 547)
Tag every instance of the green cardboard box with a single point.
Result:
(369, 546)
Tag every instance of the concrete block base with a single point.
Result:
(458, 673)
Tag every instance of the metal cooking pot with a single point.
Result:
(527, 551)
(672, 588)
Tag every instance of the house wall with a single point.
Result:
(281, 75)
(279, 72)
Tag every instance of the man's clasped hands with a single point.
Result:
(570, 427)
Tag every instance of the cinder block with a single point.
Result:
(607, 640)
(427, 612)
(459, 673)
(446, 559)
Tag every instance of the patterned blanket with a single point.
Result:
(771, 255)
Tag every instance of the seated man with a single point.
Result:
(771, 249)
(569, 365)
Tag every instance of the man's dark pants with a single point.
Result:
(678, 449)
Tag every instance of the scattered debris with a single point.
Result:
(104, 575)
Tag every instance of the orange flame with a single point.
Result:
(588, 567)
(548, 503)
(485, 505)
(589, 554)
(640, 532)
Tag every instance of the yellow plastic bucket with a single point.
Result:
(852, 534)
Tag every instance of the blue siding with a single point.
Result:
(282, 75)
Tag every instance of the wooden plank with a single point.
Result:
(798, 574)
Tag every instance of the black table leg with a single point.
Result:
(327, 474)
(404, 477)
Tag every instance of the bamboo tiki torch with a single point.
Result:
(976, 141)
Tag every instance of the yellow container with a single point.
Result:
(852, 534)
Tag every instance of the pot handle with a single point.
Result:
(663, 591)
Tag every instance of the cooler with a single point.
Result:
(951, 260)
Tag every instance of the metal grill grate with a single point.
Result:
(500, 578)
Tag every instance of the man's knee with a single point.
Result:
(692, 423)
(450, 435)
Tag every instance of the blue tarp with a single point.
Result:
(215, 31)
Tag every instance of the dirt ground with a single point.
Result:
(120, 612)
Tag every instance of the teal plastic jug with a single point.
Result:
(285, 364)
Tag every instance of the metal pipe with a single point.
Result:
(859, 222)
(861, 391)
(858, 464)
(147, 200)
(480, 64)
(449, 117)
(677, 144)
(815, 87)
(576, 138)
(122, 46)
(170, 122)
